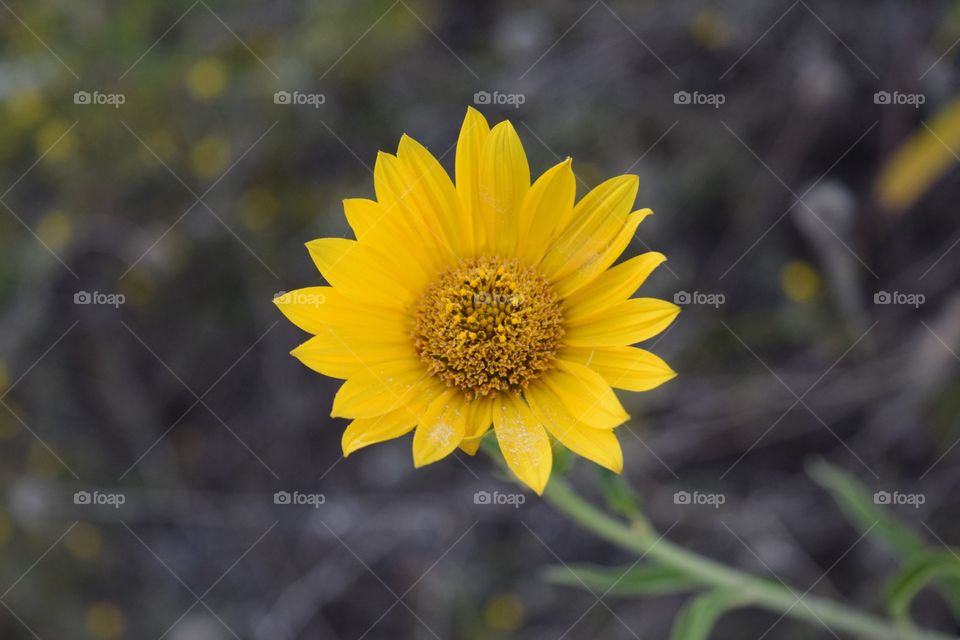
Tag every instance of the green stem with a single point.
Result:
(761, 592)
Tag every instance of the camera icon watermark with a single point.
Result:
(515, 500)
(896, 498)
(686, 498)
(114, 100)
(899, 298)
(496, 98)
(98, 498)
(299, 98)
(697, 98)
(699, 297)
(298, 498)
(897, 98)
(302, 298)
(99, 298)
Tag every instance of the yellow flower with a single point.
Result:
(492, 302)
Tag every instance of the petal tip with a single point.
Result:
(541, 486)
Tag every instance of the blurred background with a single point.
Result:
(163, 164)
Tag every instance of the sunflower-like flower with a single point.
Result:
(489, 302)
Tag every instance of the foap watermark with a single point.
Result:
(498, 299)
(514, 500)
(98, 98)
(302, 298)
(299, 98)
(899, 297)
(497, 98)
(896, 498)
(99, 298)
(686, 498)
(897, 98)
(699, 297)
(298, 498)
(99, 498)
(697, 98)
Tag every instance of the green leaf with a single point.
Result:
(856, 502)
(620, 496)
(698, 616)
(640, 580)
(915, 576)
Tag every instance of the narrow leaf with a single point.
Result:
(915, 576)
(621, 498)
(856, 502)
(698, 616)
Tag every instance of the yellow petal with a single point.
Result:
(383, 229)
(479, 420)
(394, 184)
(361, 215)
(597, 219)
(302, 307)
(599, 256)
(503, 183)
(363, 432)
(341, 355)
(357, 272)
(320, 309)
(480, 416)
(523, 442)
(628, 322)
(548, 206)
(433, 192)
(613, 286)
(627, 368)
(440, 429)
(379, 388)
(470, 446)
(473, 137)
(599, 445)
(586, 395)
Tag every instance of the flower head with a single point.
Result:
(491, 302)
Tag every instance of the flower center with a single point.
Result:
(488, 324)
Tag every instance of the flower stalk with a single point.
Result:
(646, 542)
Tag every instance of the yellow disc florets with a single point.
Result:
(487, 325)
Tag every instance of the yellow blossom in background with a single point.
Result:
(800, 281)
(55, 230)
(138, 287)
(504, 612)
(258, 208)
(920, 160)
(709, 29)
(105, 621)
(491, 302)
(25, 107)
(210, 156)
(4, 377)
(207, 79)
(56, 139)
(83, 541)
